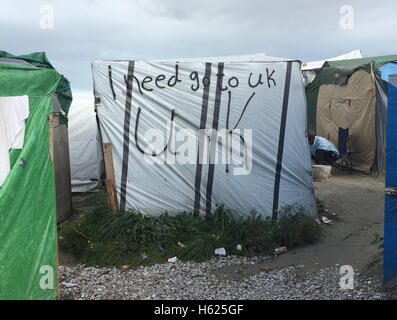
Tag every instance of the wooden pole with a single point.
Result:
(51, 121)
(111, 192)
(59, 153)
(373, 90)
(51, 137)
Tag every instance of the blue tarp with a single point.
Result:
(390, 229)
(388, 69)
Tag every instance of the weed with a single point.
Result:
(378, 240)
(101, 238)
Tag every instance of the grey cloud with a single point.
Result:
(153, 29)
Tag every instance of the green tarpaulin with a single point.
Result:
(28, 235)
(39, 59)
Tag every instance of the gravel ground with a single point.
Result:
(198, 281)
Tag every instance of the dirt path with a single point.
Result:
(358, 202)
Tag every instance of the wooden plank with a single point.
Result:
(58, 288)
(373, 90)
(51, 135)
(59, 152)
(111, 192)
(51, 121)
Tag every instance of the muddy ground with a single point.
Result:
(358, 202)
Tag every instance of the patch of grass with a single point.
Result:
(97, 198)
(133, 238)
(378, 240)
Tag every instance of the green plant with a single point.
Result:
(378, 240)
(101, 238)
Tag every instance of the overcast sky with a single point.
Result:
(87, 30)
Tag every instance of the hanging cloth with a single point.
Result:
(13, 112)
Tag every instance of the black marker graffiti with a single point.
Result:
(269, 78)
(195, 77)
(230, 82)
(154, 154)
(161, 81)
(159, 78)
(227, 124)
(257, 83)
(147, 79)
(174, 78)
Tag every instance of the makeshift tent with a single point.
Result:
(28, 195)
(312, 68)
(39, 59)
(86, 162)
(151, 113)
(351, 94)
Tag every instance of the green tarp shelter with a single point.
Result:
(351, 94)
(39, 59)
(28, 231)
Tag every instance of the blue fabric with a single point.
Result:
(342, 140)
(388, 69)
(390, 228)
(322, 143)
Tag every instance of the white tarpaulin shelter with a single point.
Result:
(86, 163)
(190, 134)
(310, 69)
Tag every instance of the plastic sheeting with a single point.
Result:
(380, 123)
(28, 242)
(312, 65)
(261, 96)
(39, 59)
(390, 238)
(86, 162)
(388, 69)
(311, 69)
(309, 75)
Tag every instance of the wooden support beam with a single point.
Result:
(59, 153)
(111, 192)
(51, 121)
(373, 90)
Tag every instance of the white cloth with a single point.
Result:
(13, 112)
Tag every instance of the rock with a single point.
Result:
(209, 280)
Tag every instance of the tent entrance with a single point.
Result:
(350, 106)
